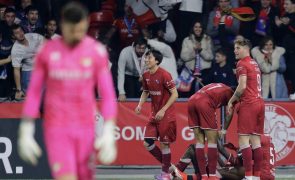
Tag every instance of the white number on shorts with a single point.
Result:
(258, 83)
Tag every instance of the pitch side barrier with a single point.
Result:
(279, 123)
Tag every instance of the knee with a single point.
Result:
(148, 143)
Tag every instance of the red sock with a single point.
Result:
(156, 152)
(212, 158)
(166, 160)
(258, 158)
(200, 155)
(247, 160)
(181, 165)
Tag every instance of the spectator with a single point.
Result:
(287, 23)
(196, 52)
(129, 70)
(22, 55)
(2, 10)
(221, 71)
(265, 21)
(50, 29)
(272, 65)
(20, 13)
(32, 23)
(222, 25)
(9, 19)
(127, 27)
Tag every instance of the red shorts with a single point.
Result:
(201, 112)
(251, 118)
(164, 130)
(70, 150)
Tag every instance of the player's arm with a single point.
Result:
(142, 100)
(228, 118)
(173, 96)
(239, 91)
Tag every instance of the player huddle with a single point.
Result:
(158, 84)
(69, 68)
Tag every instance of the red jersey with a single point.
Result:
(248, 67)
(219, 93)
(128, 30)
(159, 85)
(268, 164)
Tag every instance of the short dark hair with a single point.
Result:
(221, 51)
(243, 42)
(14, 27)
(9, 10)
(30, 8)
(140, 41)
(74, 12)
(157, 54)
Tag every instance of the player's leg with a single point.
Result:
(212, 136)
(256, 141)
(200, 152)
(149, 141)
(61, 153)
(247, 154)
(186, 158)
(236, 173)
(85, 153)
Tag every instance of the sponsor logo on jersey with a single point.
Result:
(281, 126)
(155, 93)
(86, 62)
(55, 56)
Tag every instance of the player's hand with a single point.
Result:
(106, 144)
(229, 108)
(122, 97)
(19, 95)
(160, 114)
(28, 148)
(138, 109)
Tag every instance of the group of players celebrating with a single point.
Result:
(255, 156)
(70, 67)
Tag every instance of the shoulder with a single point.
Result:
(255, 51)
(164, 73)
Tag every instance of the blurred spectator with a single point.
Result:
(287, 24)
(50, 29)
(20, 12)
(222, 25)
(272, 65)
(32, 24)
(22, 55)
(5, 68)
(221, 71)
(264, 25)
(126, 26)
(9, 18)
(2, 10)
(130, 69)
(197, 53)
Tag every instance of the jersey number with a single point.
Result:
(216, 86)
(258, 83)
(272, 156)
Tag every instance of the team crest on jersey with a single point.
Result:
(55, 56)
(281, 126)
(86, 62)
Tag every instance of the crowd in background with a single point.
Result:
(195, 37)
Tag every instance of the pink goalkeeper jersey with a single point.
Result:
(69, 76)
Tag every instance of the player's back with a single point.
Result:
(248, 67)
(70, 80)
(218, 92)
(268, 164)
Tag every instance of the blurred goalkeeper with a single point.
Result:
(70, 67)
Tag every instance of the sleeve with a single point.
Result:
(187, 51)
(207, 49)
(144, 84)
(259, 57)
(16, 57)
(282, 67)
(168, 81)
(241, 69)
(121, 71)
(38, 77)
(105, 84)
